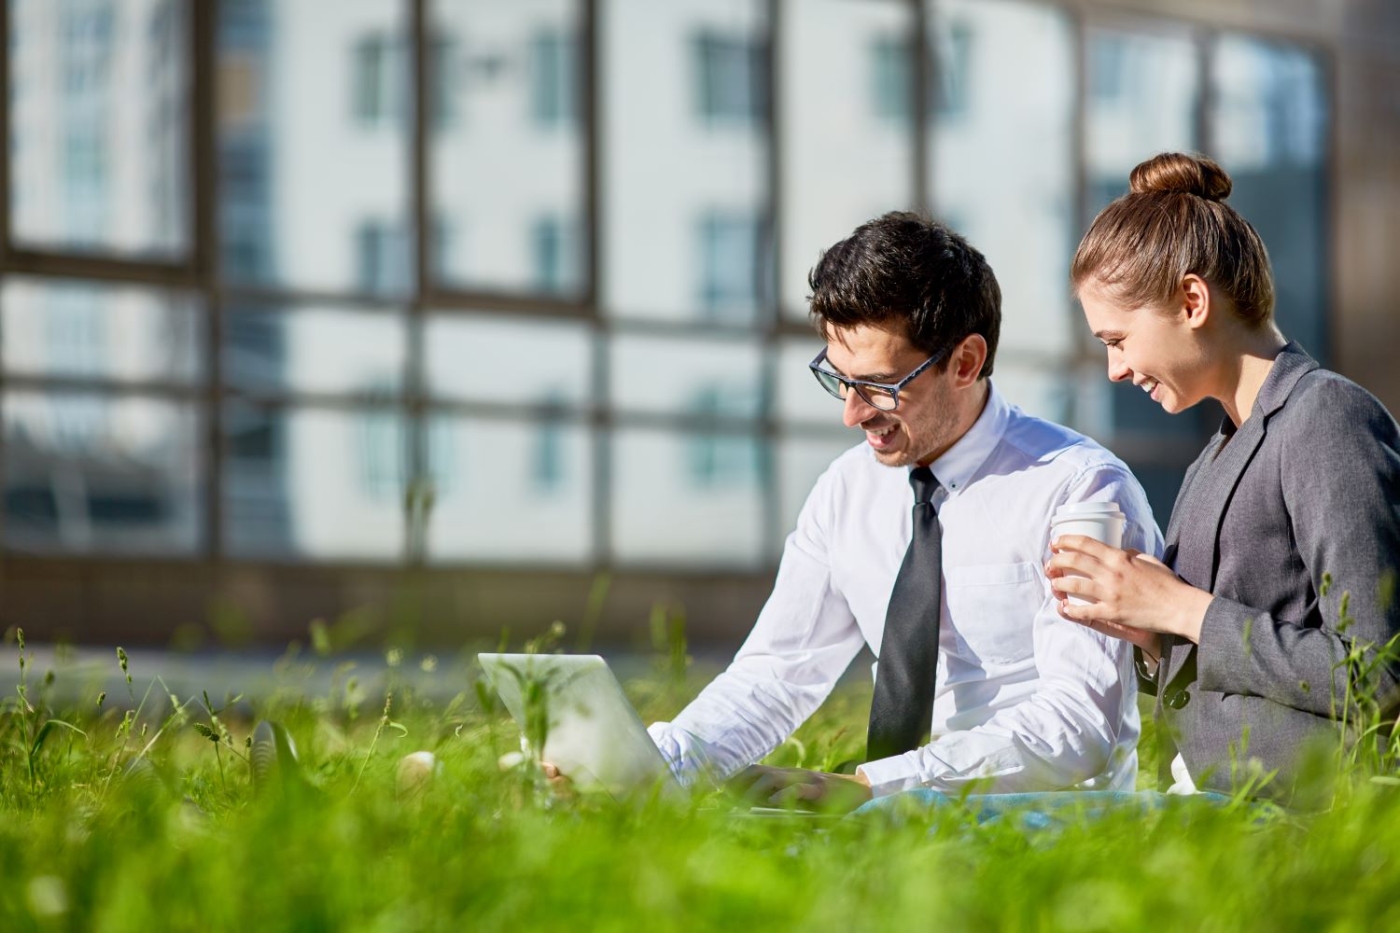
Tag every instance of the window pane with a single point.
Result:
(1143, 91)
(685, 180)
(686, 498)
(847, 124)
(313, 130)
(314, 483)
(507, 146)
(313, 349)
(701, 377)
(87, 473)
(1269, 126)
(800, 397)
(99, 123)
(510, 491)
(108, 332)
(512, 362)
(1002, 155)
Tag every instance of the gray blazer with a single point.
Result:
(1285, 521)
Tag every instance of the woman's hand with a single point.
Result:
(1136, 597)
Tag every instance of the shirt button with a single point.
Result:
(1178, 699)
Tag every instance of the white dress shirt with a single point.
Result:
(1025, 701)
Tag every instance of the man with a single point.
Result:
(1022, 700)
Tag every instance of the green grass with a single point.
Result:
(84, 848)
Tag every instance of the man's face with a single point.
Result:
(924, 425)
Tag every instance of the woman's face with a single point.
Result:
(1157, 348)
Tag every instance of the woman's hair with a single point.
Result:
(1173, 222)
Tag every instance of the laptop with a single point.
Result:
(591, 732)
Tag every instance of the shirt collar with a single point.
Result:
(961, 462)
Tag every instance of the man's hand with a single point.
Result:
(763, 786)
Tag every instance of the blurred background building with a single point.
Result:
(451, 312)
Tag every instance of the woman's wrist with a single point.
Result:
(1191, 613)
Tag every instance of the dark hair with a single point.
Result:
(1173, 222)
(906, 268)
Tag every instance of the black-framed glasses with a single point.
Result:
(879, 395)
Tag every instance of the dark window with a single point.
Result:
(383, 260)
(891, 77)
(379, 86)
(953, 67)
(553, 82)
(732, 268)
(731, 78)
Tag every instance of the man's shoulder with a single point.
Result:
(1047, 443)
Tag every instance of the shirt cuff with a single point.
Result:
(891, 775)
(684, 753)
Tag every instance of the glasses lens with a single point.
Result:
(882, 399)
(830, 383)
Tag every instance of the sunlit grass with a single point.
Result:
(87, 843)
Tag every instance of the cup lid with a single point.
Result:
(1087, 509)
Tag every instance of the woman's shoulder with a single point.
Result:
(1323, 399)
(1329, 423)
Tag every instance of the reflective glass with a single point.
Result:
(314, 123)
(314, 483)
(693, 498)
(484, 359)
(99, 126)
(108, 332)
(314, 349)
(685, 179)
(1269, 126)
(1002, 156)
(510, 491)
(847, 123)
(101, 474)
(800, 461)
(507, 137)
(691, 376)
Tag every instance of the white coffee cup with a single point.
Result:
(1101, 521)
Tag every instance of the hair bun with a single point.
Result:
(1177, 172)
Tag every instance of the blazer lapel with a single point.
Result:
(1198, 516)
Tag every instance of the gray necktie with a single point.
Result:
(902, 710)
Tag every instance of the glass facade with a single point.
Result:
(464, 282)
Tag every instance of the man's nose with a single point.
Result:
(856, 409)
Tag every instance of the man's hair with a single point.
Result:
(908, 269)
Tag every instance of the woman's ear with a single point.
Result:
(1195, 300)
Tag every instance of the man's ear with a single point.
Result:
(1196, 300)
(968, 358)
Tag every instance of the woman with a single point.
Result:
(1272, 624)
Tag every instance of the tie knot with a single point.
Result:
(925, 484)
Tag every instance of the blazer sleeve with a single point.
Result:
(1341, 486)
